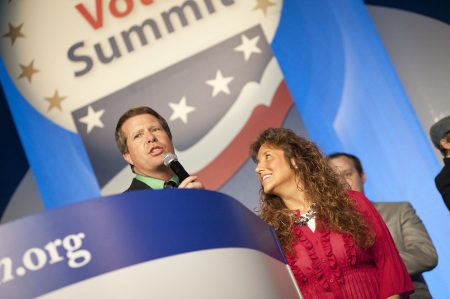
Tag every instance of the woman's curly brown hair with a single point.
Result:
(335, 210)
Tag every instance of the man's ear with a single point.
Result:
(127, 158)
(363, 177)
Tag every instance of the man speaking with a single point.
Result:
(144, 139)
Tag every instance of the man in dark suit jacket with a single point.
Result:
(440, 136)
(407, 230)
(144, 138)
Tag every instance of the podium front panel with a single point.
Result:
(144, 244)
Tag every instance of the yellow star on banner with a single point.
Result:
(14, 32)
(28, 71)
(263, 5)
(55, 101)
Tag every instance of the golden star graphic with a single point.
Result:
(14, 33)
(55, 101)
(263, 5)
(27, 71)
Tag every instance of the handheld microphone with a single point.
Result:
(171, 160)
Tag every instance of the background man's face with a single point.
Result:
(347, 168)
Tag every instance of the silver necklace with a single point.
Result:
(303, 219)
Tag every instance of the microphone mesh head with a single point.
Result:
(168, 158)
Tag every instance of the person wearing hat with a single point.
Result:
(440, 136)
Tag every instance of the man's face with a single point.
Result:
(147, 144)
(347, 168)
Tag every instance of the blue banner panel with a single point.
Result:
(59, 173)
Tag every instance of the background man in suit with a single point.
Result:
(407, 230)
(144, 138)
(440, 136)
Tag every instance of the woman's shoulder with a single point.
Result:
(362, 201)
(357, 195)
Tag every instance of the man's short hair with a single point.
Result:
(355, 160)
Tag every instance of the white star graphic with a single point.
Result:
(92, 119)
(181, 110)
(248, 46)
(220, 84)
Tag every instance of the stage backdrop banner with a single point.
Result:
(351, 100)
(145, 244)
(69, 78)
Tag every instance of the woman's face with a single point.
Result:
(274, 172)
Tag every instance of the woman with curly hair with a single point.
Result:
(335, 242)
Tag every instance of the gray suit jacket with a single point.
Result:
(412, 241)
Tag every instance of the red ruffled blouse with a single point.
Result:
(330, 265)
